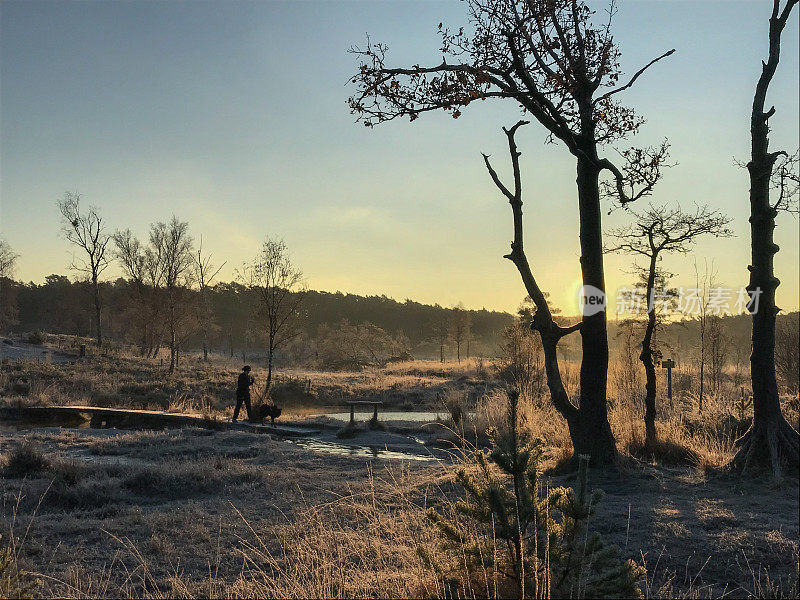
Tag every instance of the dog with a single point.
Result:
(262, 411)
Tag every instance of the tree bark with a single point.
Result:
(171, 336)
(590, 430)
(647, 358)
(97, 310)
(771, 442)
(269, 366)
(269, 376)
(702, 360)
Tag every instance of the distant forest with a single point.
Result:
(64, 307)
(406, 329)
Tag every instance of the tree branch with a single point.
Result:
(634, 78)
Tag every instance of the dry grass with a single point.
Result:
(197, 513)
(208, 388)
(192, 513)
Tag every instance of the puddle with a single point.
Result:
(390, 415)
(360, 451)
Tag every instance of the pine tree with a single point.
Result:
(511, 532)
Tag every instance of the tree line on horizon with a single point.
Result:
(61, 305)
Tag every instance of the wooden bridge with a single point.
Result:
(99, 417)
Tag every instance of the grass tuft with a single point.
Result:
(25, 459)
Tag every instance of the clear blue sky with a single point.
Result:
(233, 116)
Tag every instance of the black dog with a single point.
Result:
(263, 411)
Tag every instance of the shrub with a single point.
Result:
(455, 404)
(682, 382)
(352, 347)
(25, 459)
(21, 387)
(292, 391)
(37, 338)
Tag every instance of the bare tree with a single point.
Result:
(279, 287)
(459, 327)
(441, 331)
(771, 442)
(85, 230)
(719, 345)
(8, 301)
(785, 182)
(628, 378)
(8, 260)
(562, 67)
(172, 257)
(655, 232)
(205, 272)
(134, 259)
(702, 307)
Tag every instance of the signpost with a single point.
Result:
(668, 364)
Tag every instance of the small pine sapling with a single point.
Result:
(527, 542)
(744, 405)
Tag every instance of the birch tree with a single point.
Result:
(85, 230)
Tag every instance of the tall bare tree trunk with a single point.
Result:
(589, 428)
(97, 310)
(269, 375)
(770, 441)
(171, 336)
(702, 363)
(647, 358)
(271, 354)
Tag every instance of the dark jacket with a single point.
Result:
(243, 385)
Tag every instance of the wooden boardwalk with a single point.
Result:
(130, 418)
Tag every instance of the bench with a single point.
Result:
(374, 405)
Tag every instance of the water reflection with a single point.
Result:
(360, 451)
(392, 415)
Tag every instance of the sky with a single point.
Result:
(233, 116)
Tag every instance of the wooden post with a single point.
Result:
(352, 414)
(668, 364)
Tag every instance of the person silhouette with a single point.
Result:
(243, 393)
